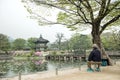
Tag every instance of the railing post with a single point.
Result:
(56, 71)
(80, 63)
(115, 61)
(19, 75)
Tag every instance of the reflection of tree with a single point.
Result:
(65, 64)
(3, 66)
(23, 66)
(38, 65)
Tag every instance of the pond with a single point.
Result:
(10, 68)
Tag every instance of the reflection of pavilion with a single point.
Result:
(40, 44)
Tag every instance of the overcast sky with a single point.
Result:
(14, 22)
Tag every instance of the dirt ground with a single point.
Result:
(107, 73)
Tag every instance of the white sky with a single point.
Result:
(15, 23)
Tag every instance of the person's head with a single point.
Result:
(95, 46)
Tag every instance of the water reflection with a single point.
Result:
(11, 68)
(64, 64)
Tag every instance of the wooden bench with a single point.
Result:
(95, 64)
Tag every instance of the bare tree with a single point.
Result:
(59, 37)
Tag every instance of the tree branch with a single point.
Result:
(66, 10)
(73, 24)
(109, 10)
(102, 9)
(89, 8)
(48, 22)
(56, 6)
(79, 11)
(110, 22)
(98, 2)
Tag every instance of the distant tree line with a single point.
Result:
(77, 43)
(111, 41)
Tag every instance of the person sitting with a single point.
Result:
(94, 57)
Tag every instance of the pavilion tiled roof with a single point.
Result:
(41, 40)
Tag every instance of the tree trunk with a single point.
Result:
(96, 39)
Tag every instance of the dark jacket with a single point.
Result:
(95, 55)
